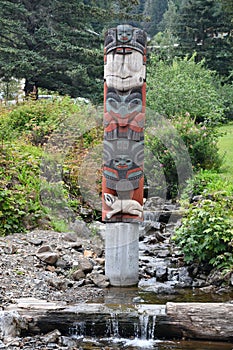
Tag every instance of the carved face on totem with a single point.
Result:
(124, 106)
(124, 71)
(122, 162)
(124, 33)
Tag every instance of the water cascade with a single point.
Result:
(136, 332)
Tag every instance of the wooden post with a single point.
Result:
(124, 117)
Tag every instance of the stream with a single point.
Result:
(143, 331)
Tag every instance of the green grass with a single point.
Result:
(226, 149)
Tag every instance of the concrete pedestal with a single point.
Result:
(122, 253)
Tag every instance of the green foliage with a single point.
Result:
(225, 145)
(19, 188)
(167, 146)
(201, 142)
(36, 121)
(183, 87)
(155, 10)
(58, 44)
(206, 233)
(204, 26)
(226, 93)
(39, 175)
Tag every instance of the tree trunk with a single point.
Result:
(31, 90)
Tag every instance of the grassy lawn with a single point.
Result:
(226, 149)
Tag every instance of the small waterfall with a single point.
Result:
(112, 326)
(141, 326)
(78, 329)
(145, 328)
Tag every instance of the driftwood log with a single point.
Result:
(203, 321)
(207, 321)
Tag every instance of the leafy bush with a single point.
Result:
(19, 188)
(166, 144)
(39, 176)
(206, 233)
(184, 87)
(36, 121)
(226, 93)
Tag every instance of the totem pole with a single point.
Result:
(124, 117)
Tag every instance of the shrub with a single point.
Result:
(20, 208)
(36, 121)
(167, 143)
(184, 86)
(206, 233)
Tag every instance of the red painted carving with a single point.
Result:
(124, 118)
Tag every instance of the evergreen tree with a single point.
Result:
(55, 44)
(203, 26)
(228, 7)
(155, 10)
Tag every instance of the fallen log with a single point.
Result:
(200, 321)
(204, 321)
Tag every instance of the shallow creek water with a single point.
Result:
(144, 334)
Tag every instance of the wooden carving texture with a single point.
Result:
(124, 118)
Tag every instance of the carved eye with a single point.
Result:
(112, 103)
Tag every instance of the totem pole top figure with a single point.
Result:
(125, 35)
(125, 57)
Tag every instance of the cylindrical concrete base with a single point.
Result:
(122, 253)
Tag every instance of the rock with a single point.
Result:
(44, 248)
(98, 230)
(59, 284)
(68, 342)
(208, 289)
(80, 228)
(48, 257)
(100, 281)
(184, 277)
(154, 203)
(198, 283)
(78, 275)
(161, 273)
(2, 345)
(100, 261)
(216, 277)
(63, 264)
(35, 241)
(46, 254)
(163, 253)
(11, 324)
(52, 337)
(151, 285)
(85, 265)
(70, 237)
(88, 253)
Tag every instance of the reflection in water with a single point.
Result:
(131, 295)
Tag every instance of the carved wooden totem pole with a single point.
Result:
(124, 116)
(123, 181)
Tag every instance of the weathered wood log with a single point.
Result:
(86, 319)
(206, 321)
(200, 321)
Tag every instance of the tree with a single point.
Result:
(203, 26)
(155, 10)
(54, 44)
(228, 7)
